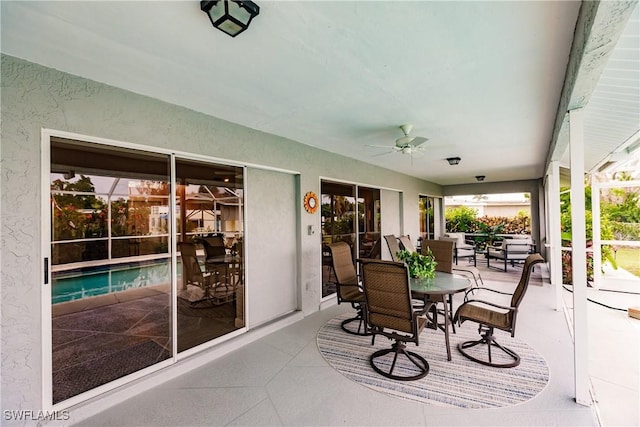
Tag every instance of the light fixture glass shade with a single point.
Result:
(453, 160)
(230, 16)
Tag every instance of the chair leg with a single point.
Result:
(399, 348)
(450, 313)
(489, 340)
(362, 327)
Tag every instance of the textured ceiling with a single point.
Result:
(481, 80)
(612, 117)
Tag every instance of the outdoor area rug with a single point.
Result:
(456, 383)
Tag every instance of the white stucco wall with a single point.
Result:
(34, 97)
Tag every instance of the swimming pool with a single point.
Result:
(87, 282)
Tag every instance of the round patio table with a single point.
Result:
(441, 287)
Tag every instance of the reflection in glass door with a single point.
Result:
(338, 205)
(210, 231)
(110, 264)
(111, 260)
(429, 207)
(369, 242)
(340, 209)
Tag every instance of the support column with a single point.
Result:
(555, 237)
(579, 258)
(597, 240)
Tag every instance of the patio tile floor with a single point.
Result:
(281, 379)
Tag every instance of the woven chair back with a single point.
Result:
(521, 289)
(191, 271)
(405, 242)
(442, 251)
(343, 266)
(394, 247)
(388, 295)
(375, 250)
(214, 246)
(346, 276)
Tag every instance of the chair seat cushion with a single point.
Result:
(481, 314)
(351, 293)
(496, 253)
(465, 252)
(391, 322)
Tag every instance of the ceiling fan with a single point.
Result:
(406, 145)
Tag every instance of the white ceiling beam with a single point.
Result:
(598, 29)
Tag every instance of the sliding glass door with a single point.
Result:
(348, 211)
(116, 237)
(110, 264)
(209, 226)
(369, 219)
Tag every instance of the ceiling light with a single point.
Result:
(230, 16)
(480, 177)
(453, 160)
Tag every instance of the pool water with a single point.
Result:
(92, 281)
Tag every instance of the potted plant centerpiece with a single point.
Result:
(420, 266)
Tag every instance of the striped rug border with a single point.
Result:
(456, 383)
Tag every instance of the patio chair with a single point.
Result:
(390, 313)
(462, 248)
(394, 247)
(442, 251)
(375, 250)
(209, 288)
(511, 251)
(471, 271)
(405, 243)
(347, 285)
(213, 246)
(490, 315)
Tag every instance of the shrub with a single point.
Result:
(461, 219)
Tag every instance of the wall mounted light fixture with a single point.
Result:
(453, 160)
(230, 16)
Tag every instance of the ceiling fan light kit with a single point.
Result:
(405, 144)
(453, 160)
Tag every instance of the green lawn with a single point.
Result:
(629, 259)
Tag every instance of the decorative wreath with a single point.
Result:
(311, 202)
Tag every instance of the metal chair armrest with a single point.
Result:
(420, 311)
(504, 307)
(472, 290)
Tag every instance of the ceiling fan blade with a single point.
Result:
(382, 154)
(379, 146)
(418, 140)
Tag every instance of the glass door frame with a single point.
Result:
(45, 268)
(437, 220)
(356, 232)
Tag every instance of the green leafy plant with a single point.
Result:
(420, 266)
(491, 232)
(460, 219)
